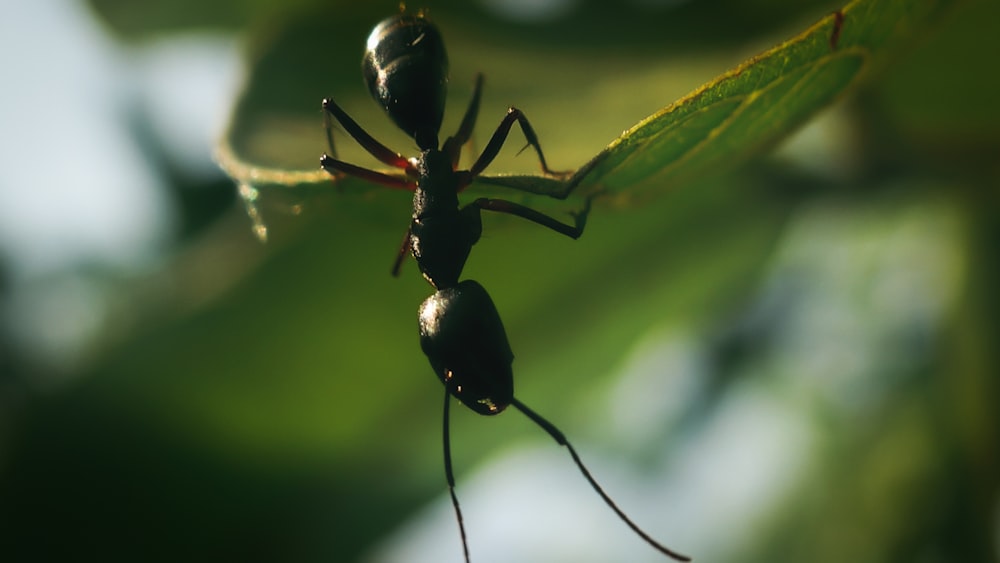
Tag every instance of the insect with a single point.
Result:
(405, 67)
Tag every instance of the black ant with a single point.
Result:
(406, 69)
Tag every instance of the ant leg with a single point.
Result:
(453, 145)
(336, 167)
(469, 120)
(328, 129)
(500, 136)
(450, 476)
(504, 206)
(367, 142)
(404, 249)
(561, 439)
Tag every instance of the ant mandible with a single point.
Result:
(406, 70)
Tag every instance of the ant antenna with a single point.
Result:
(561, 438)
(450, 476)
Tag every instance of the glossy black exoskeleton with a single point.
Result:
(405, 67)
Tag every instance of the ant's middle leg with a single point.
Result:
(500, 136)
(503, 206)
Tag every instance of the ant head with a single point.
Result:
(464, 339)
(406, 70)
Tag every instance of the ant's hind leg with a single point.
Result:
(328, 129)
(367, 142)
(453, 146)
(337, 168)
(500, 136)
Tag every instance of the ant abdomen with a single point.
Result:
(406, 70)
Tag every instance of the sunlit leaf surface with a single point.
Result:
(717, 126)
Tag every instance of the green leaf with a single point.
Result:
(752, 106)
(719, 125)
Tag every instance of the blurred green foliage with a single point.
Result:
(293, 418)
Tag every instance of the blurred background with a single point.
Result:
(791, 362)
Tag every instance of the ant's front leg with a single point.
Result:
(404, 249)
(500, 136)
